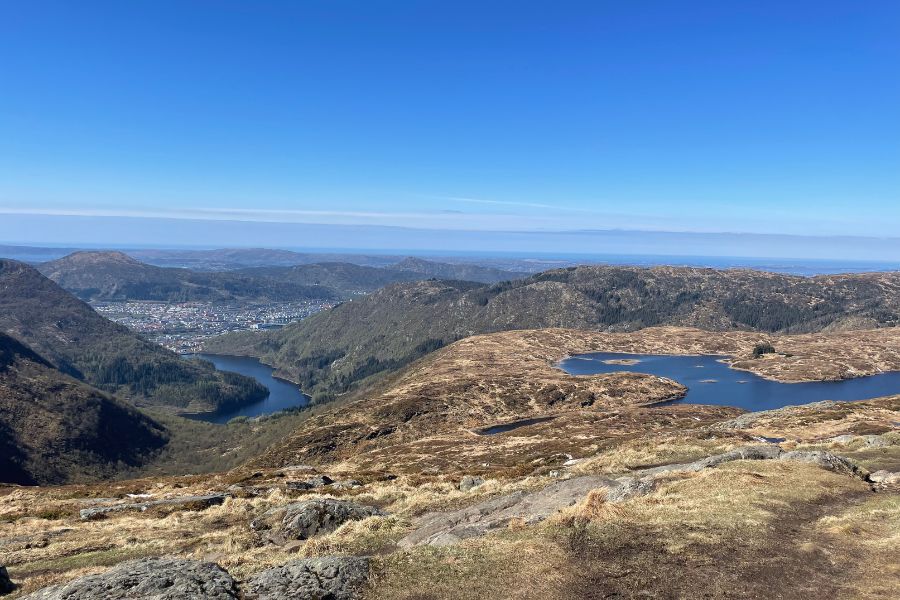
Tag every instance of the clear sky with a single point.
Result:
(717, 116)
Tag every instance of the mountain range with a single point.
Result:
(116, 276)
(335, 349)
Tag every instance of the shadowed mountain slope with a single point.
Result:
(81, 343)
(54, 429)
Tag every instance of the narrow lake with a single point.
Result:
(282, 394)
(712, 382)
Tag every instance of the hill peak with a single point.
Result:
(94, 257)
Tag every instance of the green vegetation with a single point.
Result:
(54, 429)
(763, 348)
(201, 447)
(333, 351)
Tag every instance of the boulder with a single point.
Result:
(884, 477)
(876, 441)
(6, 584)
(148, 579)
(310, 484)
(468, 482)
(332, 578)
(303, 520)
(629, 487)
(347, 484)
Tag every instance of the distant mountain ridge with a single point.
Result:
(335, 349)
(116, 276)
(109, 275)
(81, 343)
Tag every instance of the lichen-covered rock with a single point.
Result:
(331, 578)
(468, 482)
(6, 584)
(884, 477)
(303, 520)
(148, 579)
(826, 460)
(312, 483)
(442, 529)
(182, 503)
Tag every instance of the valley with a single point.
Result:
(458, 439)
(449, 301)
(619, 492)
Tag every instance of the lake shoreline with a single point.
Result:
(283, 394)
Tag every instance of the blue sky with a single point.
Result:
(764, 117)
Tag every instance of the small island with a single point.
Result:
(626, 362)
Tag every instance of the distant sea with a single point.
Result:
(526, 261)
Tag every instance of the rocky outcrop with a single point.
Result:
(468, 482)
(332, 578)
(183, 503)
(6, 584)
(884, 477)
(303, 520)
(826, 460)
(148, 579)
(441, 529)
(310, 484)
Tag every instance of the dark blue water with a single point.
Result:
(282, 394)
(514, 425)
(712, 382)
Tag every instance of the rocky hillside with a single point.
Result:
(117, 276)
(330, 352)
(55, 429)
(399, 493)
(79, 342)
(429, 414)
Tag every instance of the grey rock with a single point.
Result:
(303, 520)
(630, 487)
(329, 578)
(310, 484)
(148, 579)
(468, 482)
(6, 584)
(762, 452)
(749, 419)
(347, 484)
(825, 460)
(884, 477)
(843, 439)
(192, 502)
(876, 441)
(441, 529)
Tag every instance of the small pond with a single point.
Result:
(282, 394)
(710, 381)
